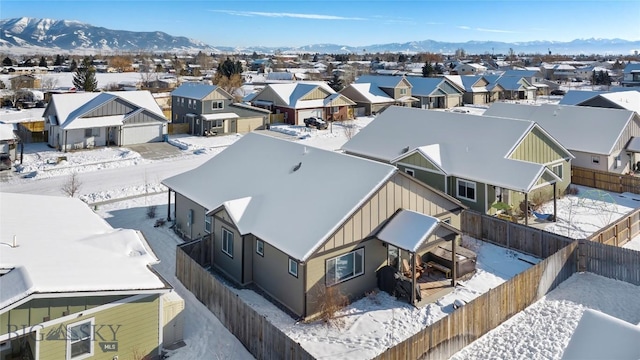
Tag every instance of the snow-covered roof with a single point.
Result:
(6, 132)
(219, 116)
(70, 107)
(291, 93)
(575, 97)
(256, 189)
(423, 86)
(193, 90)
(372, 93)
(602, 336)
(629, 100)
(408, 230)
(380, 81)
(462, 145)
(82, 254)
(599, 128)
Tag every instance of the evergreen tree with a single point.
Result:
(228, 68)
(85, 77)
(59, 60)
(7, 62)
(43, 62)
(73, 66)
(427, 69)
(336, 83)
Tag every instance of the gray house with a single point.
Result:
(210, 110)
(480, 160)
(87, 120)
(272, 230)
(599, 138)
(435, 92)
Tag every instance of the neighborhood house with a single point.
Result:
(88, 120)
(302, 220)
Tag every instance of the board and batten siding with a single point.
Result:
(230, 265)
(538, 148)
(375, 256)
(138, 334)
(400, 192)
(316, 94)
(271, 274)
(183, 205)
(115, 107)
(35, 311)
(481, 196)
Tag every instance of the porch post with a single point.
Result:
(169, 205)
(413, 278)
(454, 273)
(526, 209)
(555, 209)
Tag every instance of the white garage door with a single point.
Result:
(303, 114)
(141, 134)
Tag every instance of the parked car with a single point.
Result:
(5, 161)
(558, 92)
(315, 122)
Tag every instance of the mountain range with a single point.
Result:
(46, 36)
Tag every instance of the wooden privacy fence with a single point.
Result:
(177, 128)
(450, 334)
(510, 235)
(263, 339)
(609, 261)
(619, 232)
(604, 180)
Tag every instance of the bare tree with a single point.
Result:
(72, 186)
(349, 128)
(49, 82)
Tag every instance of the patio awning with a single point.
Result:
(634, 144)
(408, 230)
(219, 116)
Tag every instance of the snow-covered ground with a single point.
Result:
(543, 330)
(125, 184)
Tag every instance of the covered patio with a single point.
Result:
(410, 237)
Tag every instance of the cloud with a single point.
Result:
(464, 27)
(286, 15)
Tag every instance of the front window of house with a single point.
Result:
(557, 169)
(79, 340)
(227, 242)
(217, 105)
(467, 190)
(345, 267)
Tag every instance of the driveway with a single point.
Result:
(156, 151)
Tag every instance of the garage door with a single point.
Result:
(248, 124)
(303, 114)
(141, 134)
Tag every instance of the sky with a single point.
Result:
(241, 23)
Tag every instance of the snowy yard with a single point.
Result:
(368, 326)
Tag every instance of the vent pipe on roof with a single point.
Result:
(15, 241)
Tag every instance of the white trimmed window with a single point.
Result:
(80, 340)
(595, 159)
(403, 91)
(293, 267)
(557, 169)
(410, 172)
(207, 223)
(466, 190)
(217, 105)
(227, 242)
(345, 267)
(260, 247)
